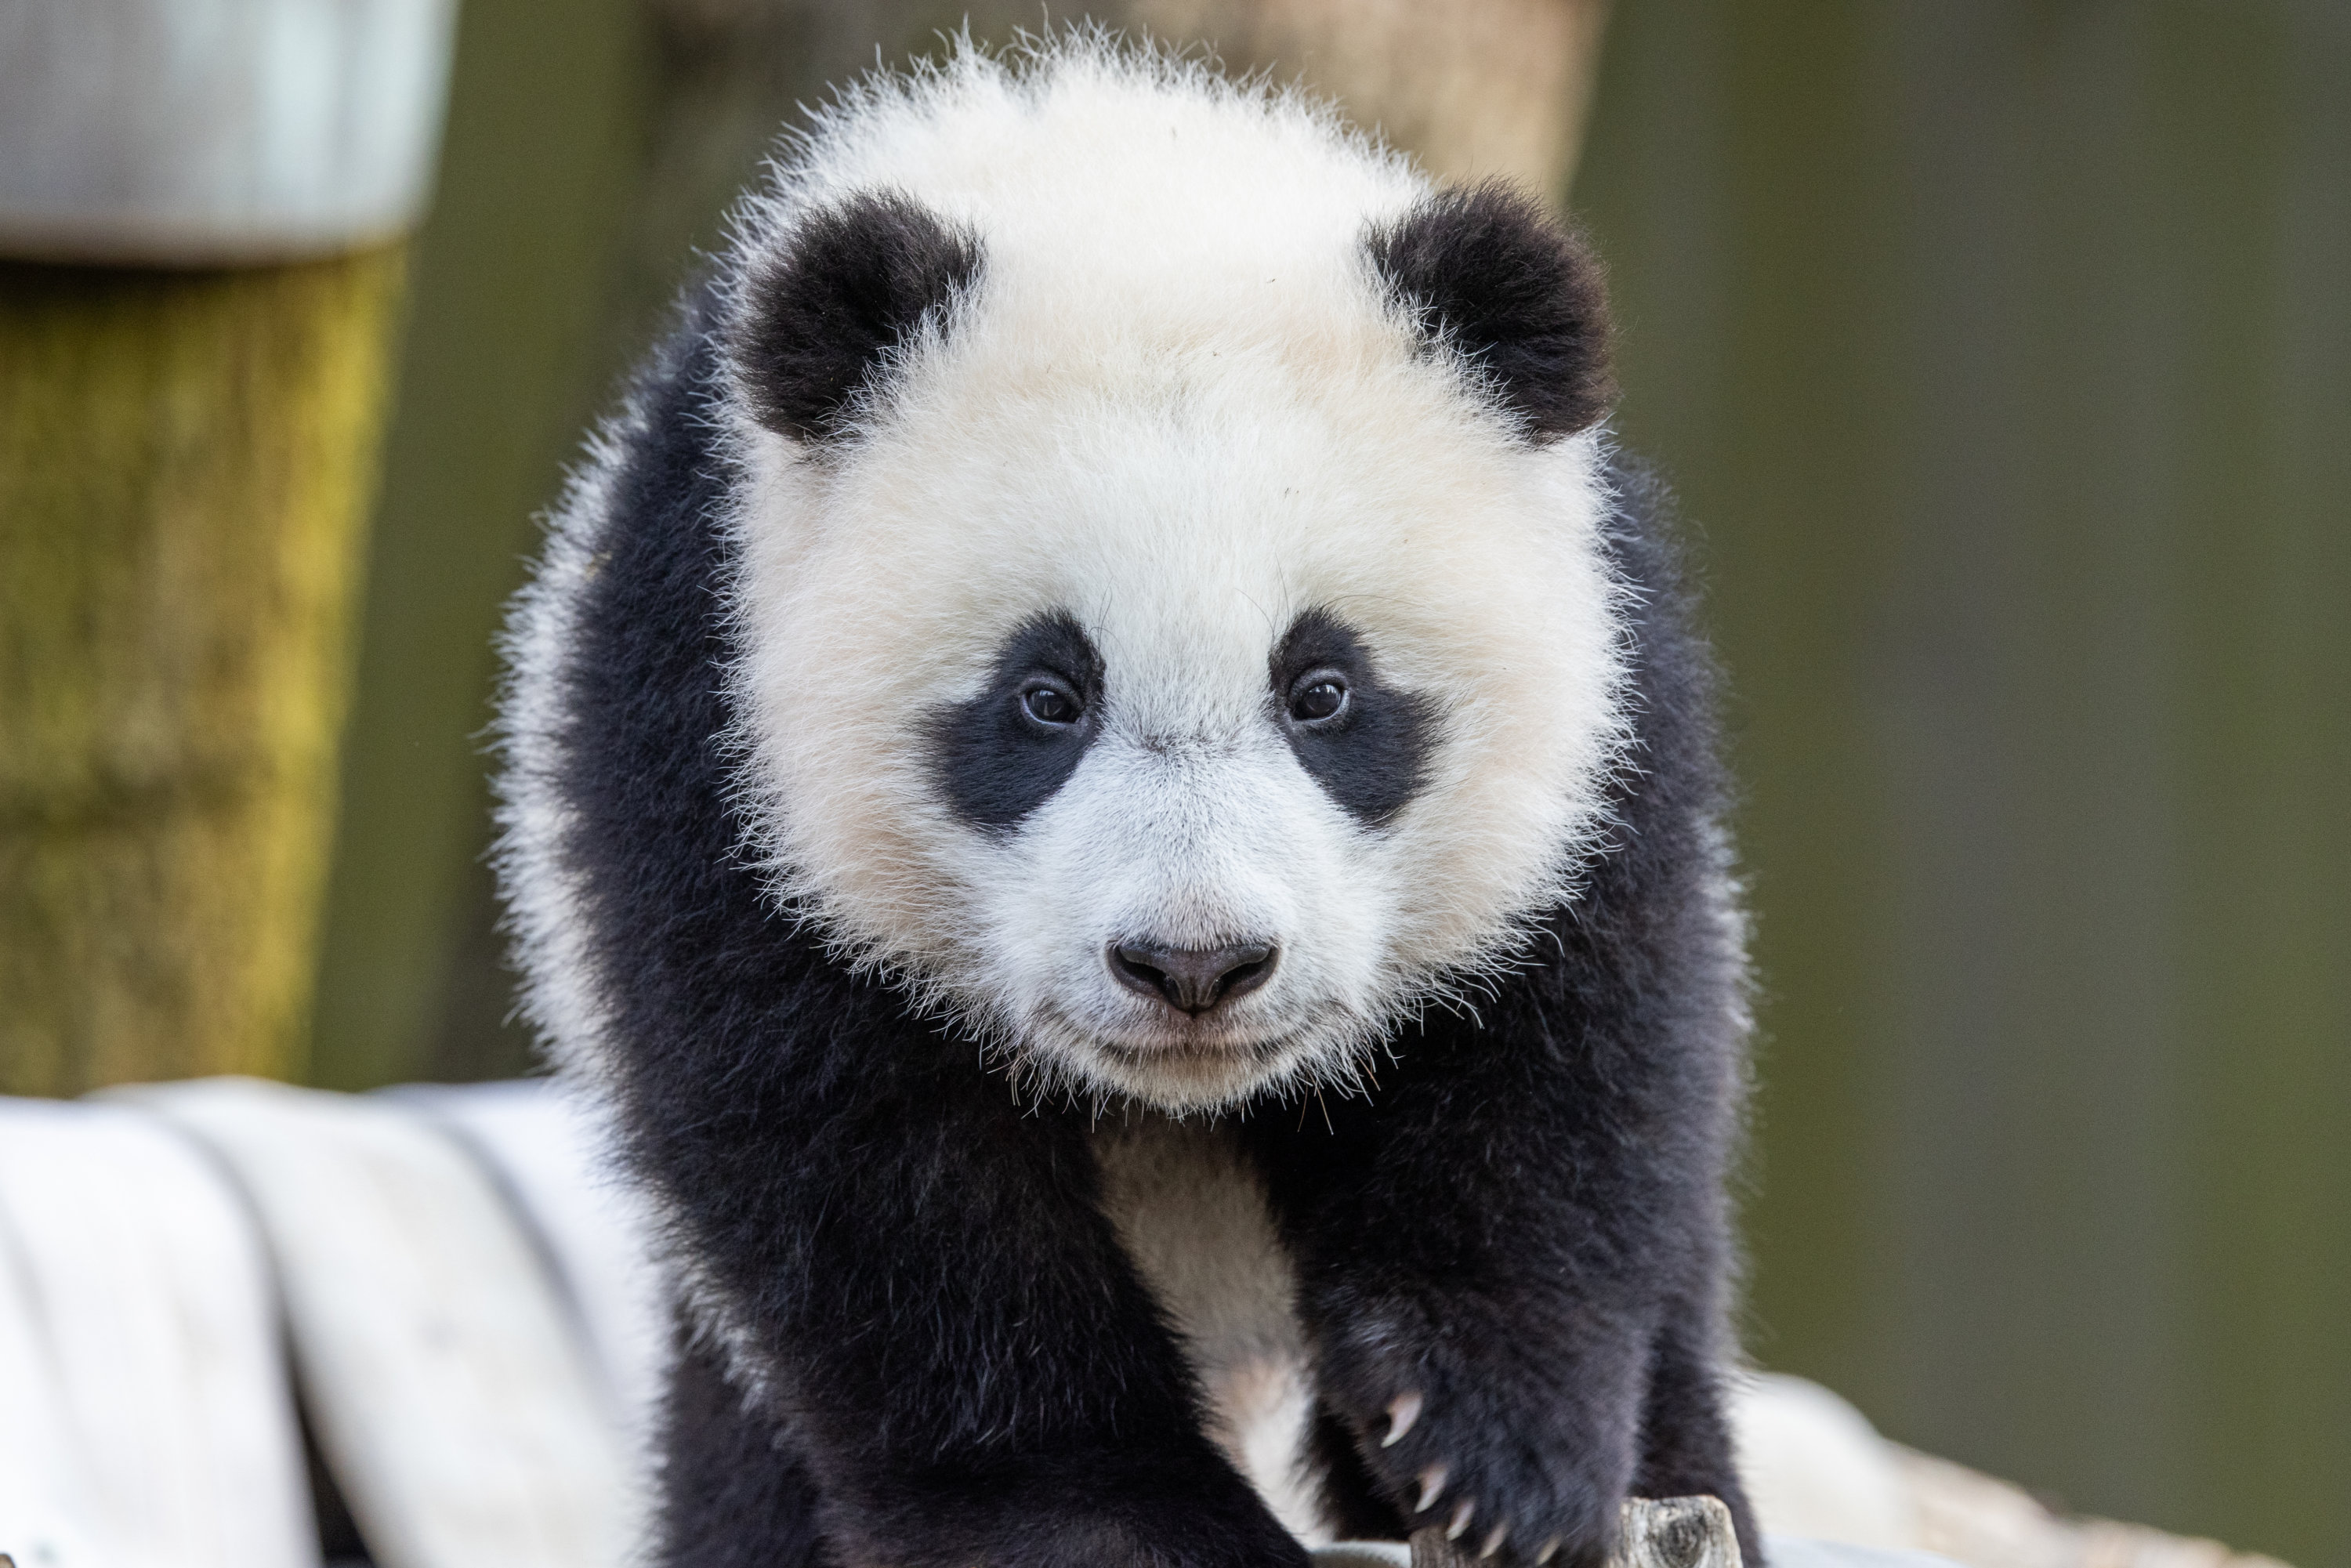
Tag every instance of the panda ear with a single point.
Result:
(818, 320)
(1487, 274)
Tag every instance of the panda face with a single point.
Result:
(1182, 736)
(1185, 865)
(1157, 651)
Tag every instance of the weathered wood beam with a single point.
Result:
(1668, 1532)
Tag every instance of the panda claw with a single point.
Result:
(1402, 1411)
(1494, 1540)
(1432, 1487)
(1550, 1550)
(1460, 1525)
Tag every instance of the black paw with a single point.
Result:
(1513, 1488)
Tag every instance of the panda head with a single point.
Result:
(1175, 634)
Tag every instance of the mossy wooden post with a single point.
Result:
(201, 205)
(1474, 89)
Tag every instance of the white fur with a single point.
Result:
(1177, 406)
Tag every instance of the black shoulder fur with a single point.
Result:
(1493, 278)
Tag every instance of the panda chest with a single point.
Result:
(1192, 1215)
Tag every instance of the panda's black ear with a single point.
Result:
(817, 319)
(1488, 274)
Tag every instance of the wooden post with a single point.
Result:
(1474, 89)
(204, 199)
(186, 460)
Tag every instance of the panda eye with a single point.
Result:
(1052, 705)
(1318, 697)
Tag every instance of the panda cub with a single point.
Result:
(1112, 786)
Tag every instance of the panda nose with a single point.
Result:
(1192, 980)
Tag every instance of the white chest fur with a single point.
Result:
(1192, 1215)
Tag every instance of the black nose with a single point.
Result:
(1192, 980)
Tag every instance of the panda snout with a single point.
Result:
(1192, 980)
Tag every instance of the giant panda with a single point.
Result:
(1111, 783)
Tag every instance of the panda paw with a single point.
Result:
(1510, 1492)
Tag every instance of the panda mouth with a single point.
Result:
(1201, 1046)
(1194, 1065)
(1174, 1038)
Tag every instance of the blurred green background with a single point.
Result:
(2002, 354)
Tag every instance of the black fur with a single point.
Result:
(955, 1360)
(1373, 756)
(997, 765)
(734, 1494)
(1487, 274)
(855, 283)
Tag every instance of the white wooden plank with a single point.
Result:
(1813, 1465)
(153, 1306)
(1364, 1554)
(45, 1486)
(1797, 1551)
(450, 1392)
(549, 1152)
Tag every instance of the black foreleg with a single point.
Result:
(917, 1273)
(1474, 1283)
(1685, 1449)
(733, 1493)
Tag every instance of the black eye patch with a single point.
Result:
(1003, 754)
(1367, 744)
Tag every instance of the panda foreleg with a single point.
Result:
(1685, 1447)
(1510, 1420)
(732, 1490)
(914, 1272)
(1486, 1253)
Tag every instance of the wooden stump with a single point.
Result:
(1668, 1532)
